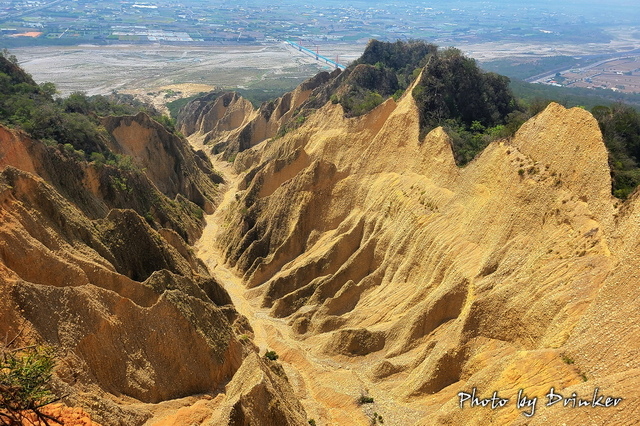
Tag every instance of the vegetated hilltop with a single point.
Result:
(98, 214)
(516, 271)
(475, 107)
(450, 90)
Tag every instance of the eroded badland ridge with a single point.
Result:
(348, 241)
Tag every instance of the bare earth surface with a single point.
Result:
(325, 386)
(313, 380)
(101, 69)
(499, 276)
(425, 258)
(623, 40)
(149, 71)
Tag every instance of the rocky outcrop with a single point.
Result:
(106, 289)
(168, 161)
(134, 316)
(216, 112)
(229, 123)
(96, 188)
(500, 276)
(260, 394)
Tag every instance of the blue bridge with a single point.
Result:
(316, 55)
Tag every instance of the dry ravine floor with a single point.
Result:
(328, 389)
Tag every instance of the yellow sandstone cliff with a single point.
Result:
(135, 318)
(229, 123)
(517, 271)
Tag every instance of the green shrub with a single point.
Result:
(271, 355)
(167, 122)
(377, 418)
(199, 213)
(25, 376)
(120, 184)
(365, 399)
(123, 162)
(98, 158)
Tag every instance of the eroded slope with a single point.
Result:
(511, 273)
(96, 262)
(230, 124)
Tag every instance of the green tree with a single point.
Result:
(620, 126)
(48, 89)
(471, 105)
(11, 58)
(77, 102)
